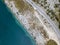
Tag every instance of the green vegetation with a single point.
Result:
(56, 5)
(22, 6)
(53, 14)
(40, 1)
(59, 0)
(37, 1)
(51, 42)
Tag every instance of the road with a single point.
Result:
(43, 13)
(39, 38)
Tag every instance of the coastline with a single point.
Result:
(35, 41)
(20, 24)
(18, 19)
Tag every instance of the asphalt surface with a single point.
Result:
(43, 13)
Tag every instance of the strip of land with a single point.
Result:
(37, 26)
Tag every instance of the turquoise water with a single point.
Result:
(10, 32)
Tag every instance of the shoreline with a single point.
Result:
(14, 10)
(20, 24)
(38, 38)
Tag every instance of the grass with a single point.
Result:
(37, 1)
(22, 6)
(51, 42)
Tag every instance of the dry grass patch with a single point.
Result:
(22, 6)
(51, 42)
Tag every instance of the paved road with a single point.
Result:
(40, 10)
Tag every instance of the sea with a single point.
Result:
(12, 33)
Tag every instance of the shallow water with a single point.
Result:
(10, 32)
